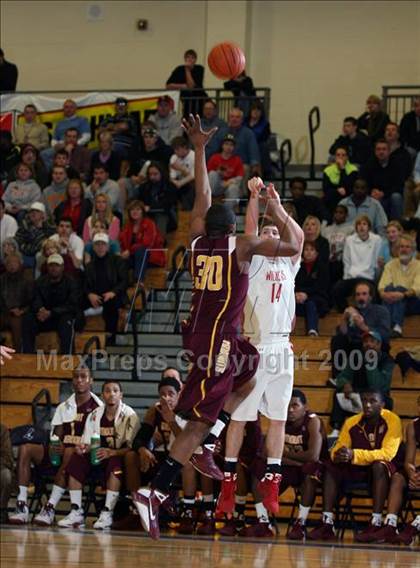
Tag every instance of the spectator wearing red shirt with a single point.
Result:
(141, 241)
(74, 206)
(226, 172)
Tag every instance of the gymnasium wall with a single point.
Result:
(332, 54)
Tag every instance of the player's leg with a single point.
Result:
(28, 454)
(113, 474)
(189, 489)
(332, 480)
(380, 482)
(388, 531)
(262, 528)
(307, 498)
(46, 516)
(206, 524)
(78, 470)
(234, 440)
(236, 521)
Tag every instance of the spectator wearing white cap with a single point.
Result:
(106, 282)
(33, 230)
(56, 306)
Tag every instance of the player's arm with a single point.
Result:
(410, 457)
(314, 446)
(344, 438)
(253, 207)
(199, 139)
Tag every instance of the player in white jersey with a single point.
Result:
(268, 320)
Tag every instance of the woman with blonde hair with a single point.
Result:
(102, 211)
(48, 247)
(74, 206)
(389, 248)
(312, 231)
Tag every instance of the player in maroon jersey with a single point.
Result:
(68, 423)
(222, 362)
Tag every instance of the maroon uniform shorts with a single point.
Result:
(294, 475)
(219, 365)
(357, 473)
(80, 468)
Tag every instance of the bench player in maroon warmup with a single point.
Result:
(222, 362)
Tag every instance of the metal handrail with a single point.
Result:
(35, 401)
(133, 320)
(391, 100)
(313, 127)
(285, 157)
(174, 276)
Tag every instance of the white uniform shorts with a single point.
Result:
(274, 384)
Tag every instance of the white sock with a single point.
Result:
(76, 497)
(303, 513)
(273, 461)
(262, 512)
(56, 494)
(218, 428)
(23, 493)
(376, 519)
(398, 328)
(391, 520)
(111, 499)
(416, 522)
(328, 517)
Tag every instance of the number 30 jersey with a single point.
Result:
(219, 286)
(270, 306)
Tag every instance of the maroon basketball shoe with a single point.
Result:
(204, 464)
(298, 531)
(226, 501)
(147, 502)
(230, 528)
(368, 534)
(268, 487)
(259, 529)
(186, 523)
(206, 527)
(387, 533)
(324, 531)
(408, 535)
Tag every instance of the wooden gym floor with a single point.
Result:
(33, 547)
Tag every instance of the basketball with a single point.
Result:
(226, 60)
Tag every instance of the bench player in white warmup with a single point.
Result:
(268, 320)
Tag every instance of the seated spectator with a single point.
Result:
(100, 227)
(102, 184)
(243, 90)
(410, 129)
(30, 130)
(359, 318)
(153, 150)
(374, 120)
(62, 159)
(246, 143)
(181, 171)
(305, 450)
(226, 172)
(357, 144)
(167, 123)
(7, 468)
(386, 179)
(188, 79)
(366, 451)
(390, 244)
(311, 288)
(32, 231)
(106, 283)
(346, 403)
(305, 204)
(159, 198)
(55, 193)
(338, 179)
(360, 260)
(102, 211)
(8, 247)
(412, 192)
(398, 154)
(123, 129)
(399, 286)
(15, 298)
(21, 193)
(79, 156)
(336, 235)
(372, 371)
(49, 247)
(260, 126)
(71, 246)
(8, 225)
(141, 241)
(74, 206)
(9, 154)
(30, 157)
(360, 203)
(106, 155)
(408, 359)
(312, 231)
(210, 118)
(55, 307)
(116, 424)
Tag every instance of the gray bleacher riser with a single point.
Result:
(152, 339)
(169, 351)
(162, 316)
(156, 327)
(166, 296)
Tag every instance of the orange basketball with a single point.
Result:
(226, 60)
